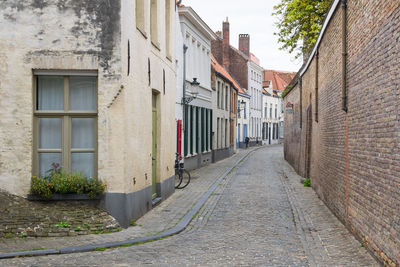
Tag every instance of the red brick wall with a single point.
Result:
(366, 197)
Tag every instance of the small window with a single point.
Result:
(65, 120)
(139, 11)
(154, 22)
(168, 28)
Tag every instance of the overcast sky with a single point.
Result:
(252, 17)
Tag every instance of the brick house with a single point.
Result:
(245, 67)
(343, 127)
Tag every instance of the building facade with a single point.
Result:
(255, 91)
(197, 100)
(274, 82)
(225, 91)
(342, 115)
(246, 69)
(91, 89)
(242, 127)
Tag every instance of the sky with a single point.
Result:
(252, 17)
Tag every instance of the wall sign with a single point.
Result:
(289, 108)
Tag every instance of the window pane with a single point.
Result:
(45, 162)
(50, 93)
(82, 93)
(83, 162)
(50, 133)
(83, 133)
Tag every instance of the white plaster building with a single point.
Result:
(197, 114)
(255, 91)
(225, 90)
(92, 89)
(274, 82)
(243, 118)
(272, 116)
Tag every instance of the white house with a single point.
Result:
(255, 91)
(196, 97)
(274, 82)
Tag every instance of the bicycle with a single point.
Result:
(182, 176)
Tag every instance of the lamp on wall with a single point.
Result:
(240, 104)
(194, 90)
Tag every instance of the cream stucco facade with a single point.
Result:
(133, 66)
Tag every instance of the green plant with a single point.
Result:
(78, 228)
(307, 182)
(94, 187)
(41, 187)
(300, 22)
(66, 183)
(132, 222)
(287, 90)
(62, 225)
(9, 235)
(61, 182)
(23, 235)
(100, 249)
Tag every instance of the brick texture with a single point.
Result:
(355, 156)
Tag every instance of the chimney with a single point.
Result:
(225, 43)
(244, 44)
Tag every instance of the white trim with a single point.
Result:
(194, 18)
(66, 72)
(321, 35)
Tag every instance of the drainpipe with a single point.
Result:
(316, 84)
(344, 55)
(185, 48)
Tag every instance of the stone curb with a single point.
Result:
(181, 225)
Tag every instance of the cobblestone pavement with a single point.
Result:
(259, 215)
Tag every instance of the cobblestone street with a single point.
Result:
(259, 215)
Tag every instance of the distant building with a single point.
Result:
(244, 66)
(274, 82)
(225, 90)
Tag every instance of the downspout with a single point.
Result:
(316, 84)
(344, 55)
(344, 104)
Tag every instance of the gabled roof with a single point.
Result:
(254, 59)
(222, 71)
(279, 79)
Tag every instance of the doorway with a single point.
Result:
(154, 146)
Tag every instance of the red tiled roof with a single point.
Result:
(280, 79)
(221, 70)
(254, 59)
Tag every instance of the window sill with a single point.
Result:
(63, 197)
(156, 45)
(142, 32)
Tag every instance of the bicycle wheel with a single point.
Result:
(185, 179)
(178, 179)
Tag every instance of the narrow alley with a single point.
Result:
(259, 215)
